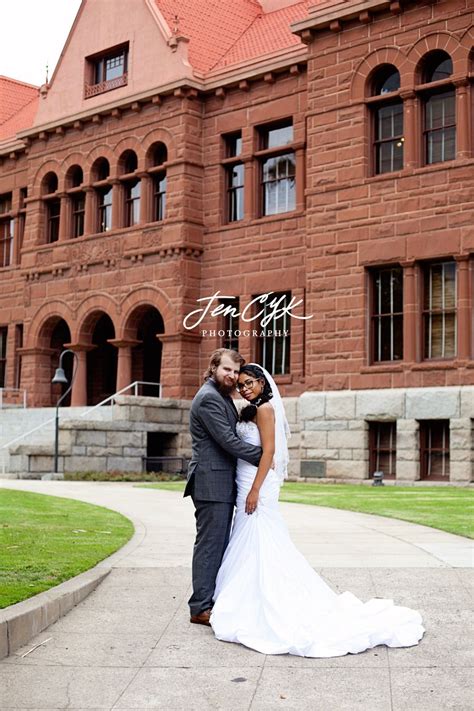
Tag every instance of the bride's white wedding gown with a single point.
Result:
(270, 599)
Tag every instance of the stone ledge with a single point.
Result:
(22, 621)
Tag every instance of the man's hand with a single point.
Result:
(252, 501)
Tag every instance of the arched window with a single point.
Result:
(102, 194)
(439, 107)
(77, 201)
(157, 157)
(386, 109)
(52, 204)
(131, 185)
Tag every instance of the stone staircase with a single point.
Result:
(38, 426)
(110, 438)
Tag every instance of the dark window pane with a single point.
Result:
(387, 81)
(276, 137)
(233, 145)
(273, 348)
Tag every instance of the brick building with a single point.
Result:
(320, 152)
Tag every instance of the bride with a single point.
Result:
(267, 595)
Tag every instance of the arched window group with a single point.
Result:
(434, 104)
(107, 203)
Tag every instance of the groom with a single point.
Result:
(211, 474)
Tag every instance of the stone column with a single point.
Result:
(463, 308)
(64, 217)
(90, 213)
(146, 198)
(79, 385)
(124, 362)
(180, 370)
(410, 313)
(117, 204)
(251, 189)
(460, 450)
(411, 147)
(463, 126)
(299, 178)
(36, 375)
(408, 450)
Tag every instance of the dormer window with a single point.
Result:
(106, 71)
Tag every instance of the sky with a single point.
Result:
(33, 35)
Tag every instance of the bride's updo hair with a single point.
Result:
(249, 411)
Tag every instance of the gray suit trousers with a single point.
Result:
(213, 524)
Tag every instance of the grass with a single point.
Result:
(447, 508)
(45, 540)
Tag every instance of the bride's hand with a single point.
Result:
(252, 501)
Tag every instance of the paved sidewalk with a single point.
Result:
(129, 645)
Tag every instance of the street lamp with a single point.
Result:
(60, 377)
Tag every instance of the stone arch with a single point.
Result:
(121, 147)
(52, 309)
(467, 43)
(101, 151)
(365, 70)
(98, 302)
(50, 166)
(69, 162)
(144, 297)
(437, 40)
(52, 337)
(162, 135)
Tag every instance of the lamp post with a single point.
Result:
(60, 377)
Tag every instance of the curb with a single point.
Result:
(23, 620)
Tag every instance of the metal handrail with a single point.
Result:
(52, 419)
(119, 392)
(14, 390)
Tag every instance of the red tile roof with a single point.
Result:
(226, 32)
(18, 104)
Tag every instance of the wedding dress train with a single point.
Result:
(269, 598)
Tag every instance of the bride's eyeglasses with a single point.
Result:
(246, 385)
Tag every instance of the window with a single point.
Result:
(132, 203)
(53, 208)
(382, 448)
(22, 217)
(78, 214)
(6, 230)
(387, 117)
(3, 354)
(231, 323)
(18, 346)
(439, 108)
(6, 242)
(277, 171)
(434, 449)
(439, 310)
(156, 158)
(106, 71)
(159, 197)
(105, 209)
(387, 314)
(234, 175)
(273, 347)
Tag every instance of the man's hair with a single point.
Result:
(216, 358)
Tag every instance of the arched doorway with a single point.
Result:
(101, 359)
(146, 356)
(53, 337)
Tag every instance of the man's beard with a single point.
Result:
(223, 388)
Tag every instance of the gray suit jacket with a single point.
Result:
(215, 446)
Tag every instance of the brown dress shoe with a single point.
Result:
(203, 618)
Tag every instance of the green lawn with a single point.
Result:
(45, 540)
(448, 508)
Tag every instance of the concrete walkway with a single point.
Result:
(129, 645)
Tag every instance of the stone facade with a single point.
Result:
(118, 298)
(334, 430)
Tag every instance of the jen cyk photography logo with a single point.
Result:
(262, 311)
